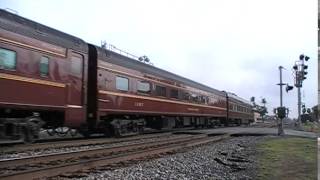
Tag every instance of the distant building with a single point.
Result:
(257, 117)
(270, 118)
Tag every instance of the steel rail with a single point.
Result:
(72, 143)
(5, 163)
(109, 160)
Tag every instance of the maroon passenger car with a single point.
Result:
(50, 79)
(43, 77)
(129, 89)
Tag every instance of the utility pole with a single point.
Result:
(281, 84)
(300, 75)
(282, 111)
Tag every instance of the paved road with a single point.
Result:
(256, 130)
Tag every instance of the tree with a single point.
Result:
(264, 102)
(262, 109)
(252, 99)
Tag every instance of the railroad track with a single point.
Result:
(77, 154)
(75, 143)
(58, 164)
(64, 140)
(264, 125)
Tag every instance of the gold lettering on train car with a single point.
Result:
(193, 109)
(138, 104)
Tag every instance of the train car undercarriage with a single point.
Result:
(28, 128)
(120, 125)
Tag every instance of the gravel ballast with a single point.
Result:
(229, 159)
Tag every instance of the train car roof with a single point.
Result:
(121, 60)
(234, 97)
(15, 23)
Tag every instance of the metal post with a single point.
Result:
(280, 69)
(300, 76)
(299, 108)
(280, 124)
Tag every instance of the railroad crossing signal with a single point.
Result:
(300, 70)
(289, 88)
(281, 112)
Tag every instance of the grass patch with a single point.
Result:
(287, 158)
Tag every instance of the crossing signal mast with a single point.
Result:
(300, 72)
(282, 111)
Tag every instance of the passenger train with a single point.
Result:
(50, 79)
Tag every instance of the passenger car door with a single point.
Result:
(75, 96)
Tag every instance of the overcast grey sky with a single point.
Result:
(226, 44)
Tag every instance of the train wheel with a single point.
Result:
(50, 132)
(62, 131)
(30, 132)
(73, 132)
(27, 136)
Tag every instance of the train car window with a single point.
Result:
(161, 91)
(186, 96)
(44, 66)
(144, 87)
(76, 66)
(122, 83)
(203, 99)
(194, 97)
(7, 59)
(174, 93)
